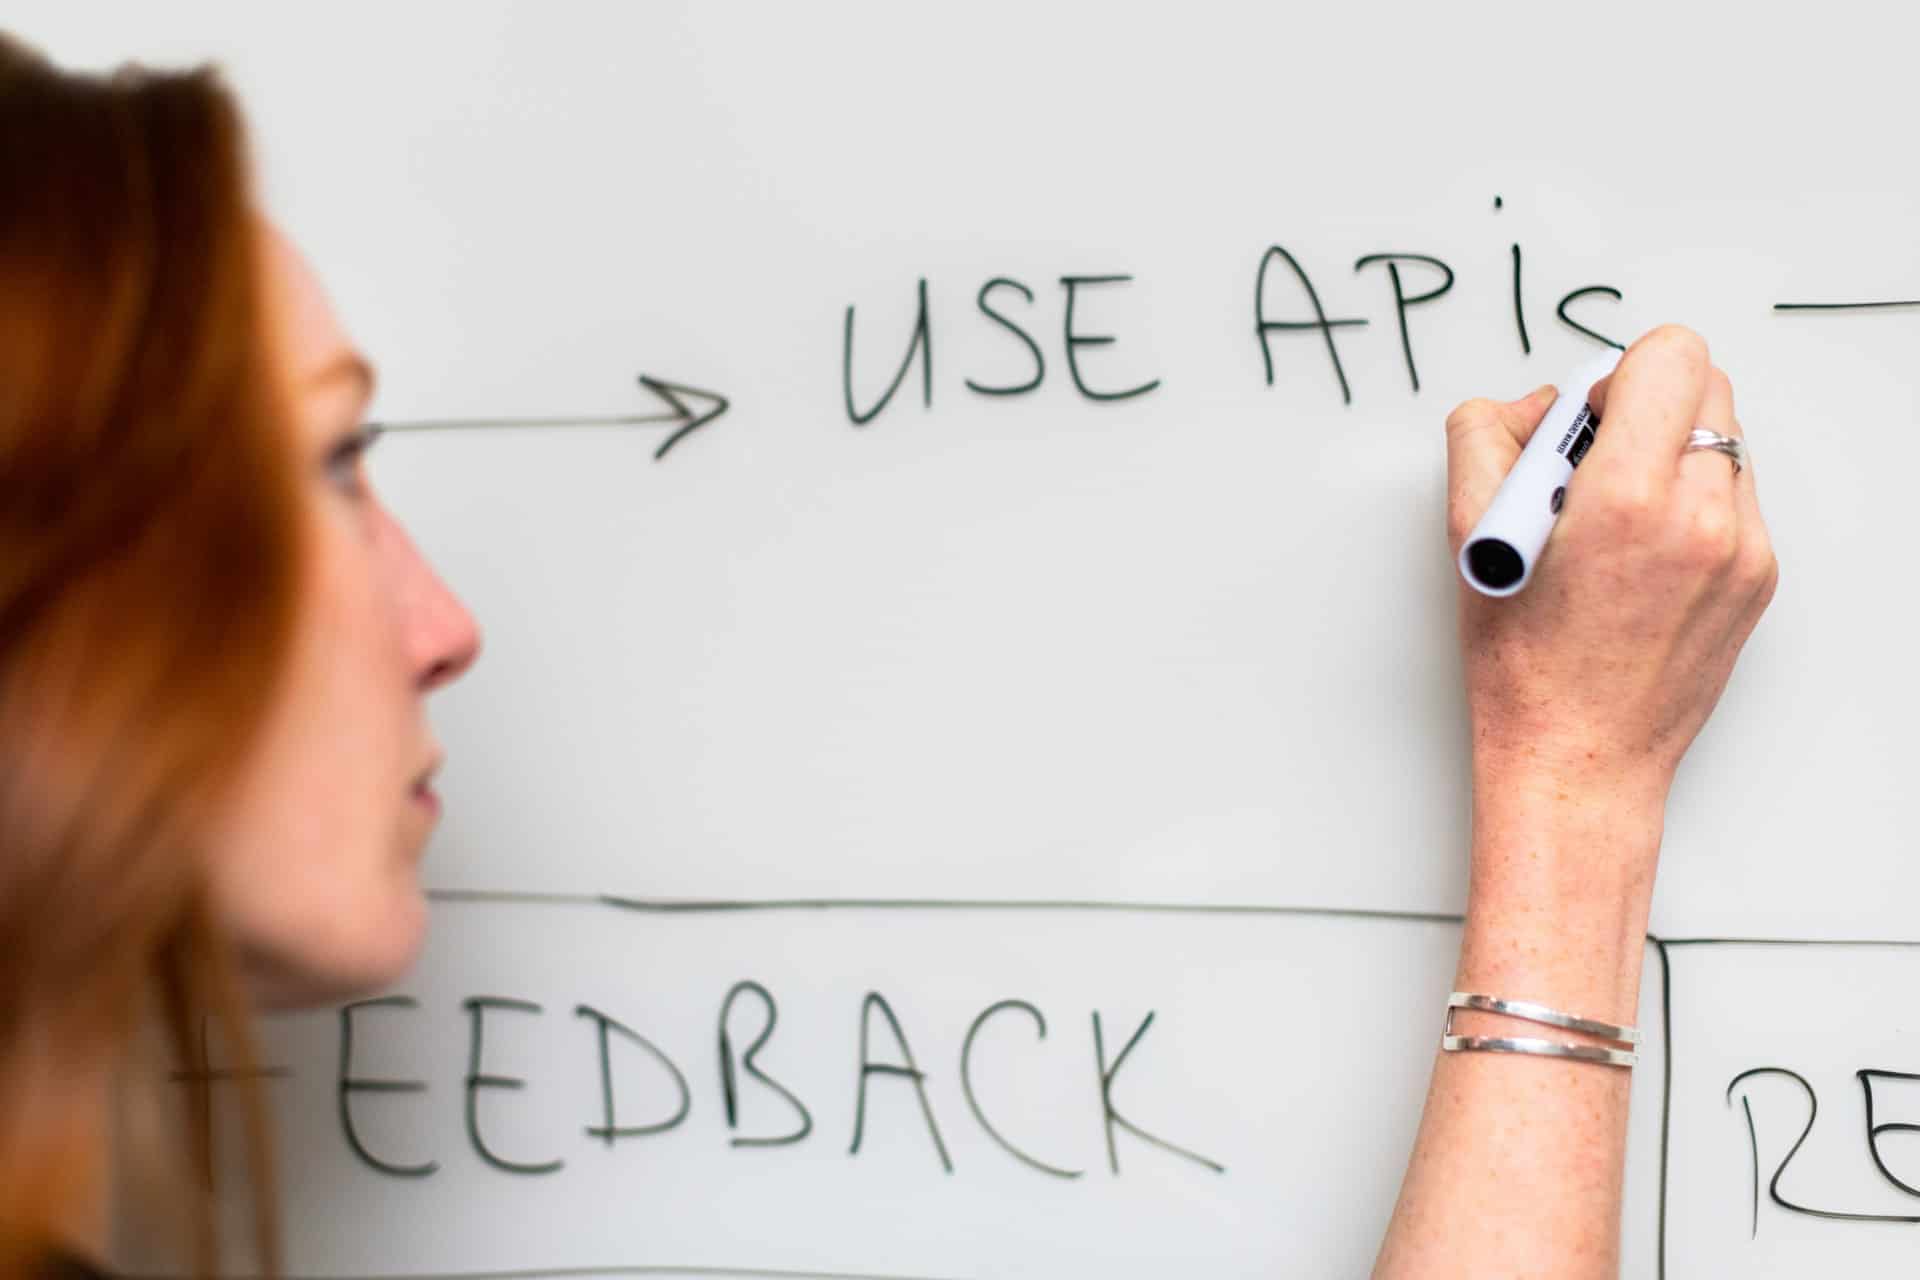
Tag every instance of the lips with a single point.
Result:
(422, 791)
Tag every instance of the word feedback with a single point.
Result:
(739, 1071)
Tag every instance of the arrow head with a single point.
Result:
(691, 417)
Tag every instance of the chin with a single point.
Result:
(335, 961)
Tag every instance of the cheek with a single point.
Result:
(313, 926)
(316, 872)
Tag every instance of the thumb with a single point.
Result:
(1484, 437)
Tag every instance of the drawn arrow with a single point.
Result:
(686, 417)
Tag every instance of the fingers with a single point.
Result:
(1701, 501)
(1704, 475)
(1746, 496)
(1483, 439)
(1597, 398)
(1716, 414)
(1754, 565)
(1716, 510)
(1647, 406)
(1638, 470)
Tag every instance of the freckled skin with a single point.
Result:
(1584, 692)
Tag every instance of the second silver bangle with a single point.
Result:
(1541, 1048)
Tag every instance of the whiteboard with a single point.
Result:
(1106, 706)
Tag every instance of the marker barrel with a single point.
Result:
(1497, 558)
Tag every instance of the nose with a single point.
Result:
(442, 639)
(456, 638)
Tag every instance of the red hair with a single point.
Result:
(149, 557)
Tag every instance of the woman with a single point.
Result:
(214, 643)
(214, 646)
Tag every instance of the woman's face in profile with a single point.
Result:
(315, 871)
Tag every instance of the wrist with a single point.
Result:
(1561, 888)
(1596, 831)
(1587, 963)
(1536, 760)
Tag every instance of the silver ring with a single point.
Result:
(1733, 446)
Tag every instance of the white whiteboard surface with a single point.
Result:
(1189, 649)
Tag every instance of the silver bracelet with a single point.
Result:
(1540, 1013)
(1545, 1048)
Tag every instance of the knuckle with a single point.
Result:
(1625, 504)
(1463, 513)
(1459, 524)
(1710, 540)
(1759, 568)
(1469, 414)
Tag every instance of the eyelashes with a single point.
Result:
(344, 459)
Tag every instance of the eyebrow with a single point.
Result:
(351, 365)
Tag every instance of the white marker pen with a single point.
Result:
(1498, 556)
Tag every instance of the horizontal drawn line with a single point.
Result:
(465, 424)
(519, 896)
(1791, 942)
(563, 1273)
(1846, 306)
(720, 906)
(1036, 904)
(716, 906)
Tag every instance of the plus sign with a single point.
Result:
(201, 1082)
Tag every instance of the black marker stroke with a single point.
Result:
(966, 1085)
(1262, 325)
(350, 1084)
(200, 1075)
(911, 1071)
(1033, 348)
(1813, 1111)
(1519, 305)
(586, 1273)
(1400, 299)
(1866, 1078)
(1753, 1143)
(1846, 306)
(729, 1089)
(921, 343)
(1575, 325)
(687, 417)
(1790, 942)
(609, 1131)
(476, 1007)
(1076, 341)
(703, 906)
(1112, 1115)
(1666, 1098)
(670, 906)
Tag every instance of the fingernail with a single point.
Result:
(1544, 389)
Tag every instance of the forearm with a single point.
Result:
(1518, 1165)
(1584, 691)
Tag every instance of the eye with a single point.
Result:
(344, 460)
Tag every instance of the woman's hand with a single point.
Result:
(1584, 690)
(1608, 664)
